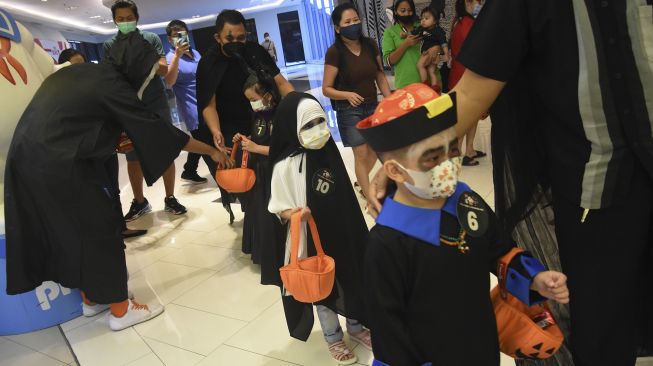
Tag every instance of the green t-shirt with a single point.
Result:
(406, 72)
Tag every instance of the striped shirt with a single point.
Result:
(584, 68)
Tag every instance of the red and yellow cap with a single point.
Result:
(409, 115)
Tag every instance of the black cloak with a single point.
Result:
(339, 218)
(210, 72)
(55, 173)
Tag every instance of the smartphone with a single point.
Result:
(182, 38)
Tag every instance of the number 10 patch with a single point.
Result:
(473, 214)
(324, 182)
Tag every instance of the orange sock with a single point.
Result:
(119, 309)
(86, 300)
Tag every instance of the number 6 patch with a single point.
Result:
(473, 214)
(323, 182)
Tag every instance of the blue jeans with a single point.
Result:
(331, 325)
(348, 118)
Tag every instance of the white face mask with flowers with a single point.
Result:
(439, 182)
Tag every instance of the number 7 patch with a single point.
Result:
(473, 214)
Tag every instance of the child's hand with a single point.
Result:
(306, 213)
(249, 145)
(237, 138)
(287, 214)
(552, 285)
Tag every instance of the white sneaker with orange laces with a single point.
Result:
(93, 310)
(136, 313)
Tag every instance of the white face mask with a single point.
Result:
(439, 182)
(476, 10)
(258, 106)
(315, 137)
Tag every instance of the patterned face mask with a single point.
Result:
(439, 182)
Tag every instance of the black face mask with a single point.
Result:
(352, 32)
(232, 49)
(405, 19)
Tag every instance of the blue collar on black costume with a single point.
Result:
(8, 27)
(419, 223)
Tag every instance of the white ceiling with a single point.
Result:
(154, 14)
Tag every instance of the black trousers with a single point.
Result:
(228, 132)
(111, 166)
(444, 74)
(608, 263)
(193, 160)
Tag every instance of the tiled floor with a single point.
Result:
(216, 311)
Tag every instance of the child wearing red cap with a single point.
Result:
(428, 257)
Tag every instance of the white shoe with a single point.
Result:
(136, 313)
(93, 310)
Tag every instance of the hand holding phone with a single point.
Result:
(182, 38)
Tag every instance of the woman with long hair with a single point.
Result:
(352, 73)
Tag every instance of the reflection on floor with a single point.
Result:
(216, 311)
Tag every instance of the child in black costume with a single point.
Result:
(260, 226)
(309, 175)
(428, 257)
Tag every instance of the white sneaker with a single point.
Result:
(136, 313)
(93, 310)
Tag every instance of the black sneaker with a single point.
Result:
(173, 206)
(137, 210)
(193, 177)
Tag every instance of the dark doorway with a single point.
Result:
(250, 27)
(291, 38)
(204, 38)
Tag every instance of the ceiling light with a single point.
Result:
(56, 19)
(96, 17)
(27, 10)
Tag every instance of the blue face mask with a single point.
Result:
(476, 10)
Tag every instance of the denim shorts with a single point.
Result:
(348, 118)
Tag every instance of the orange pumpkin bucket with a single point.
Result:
(310, 279)
(520, 336)
(236, 180)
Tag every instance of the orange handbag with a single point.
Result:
(310, 279)
(236, 180)
(125, 145)
(519, 335)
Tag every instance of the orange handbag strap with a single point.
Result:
(502, 268)
(295, 233)
(234, 150)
